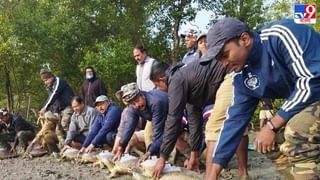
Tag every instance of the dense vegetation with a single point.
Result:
(68, 35)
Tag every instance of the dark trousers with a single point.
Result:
(22, 137)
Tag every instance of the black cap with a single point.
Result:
(221, 32)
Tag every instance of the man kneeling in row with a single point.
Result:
(152, 105)
(105, 125)
(81, 122)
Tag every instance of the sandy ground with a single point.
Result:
(49, 168)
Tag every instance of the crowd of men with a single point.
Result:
(210, 95)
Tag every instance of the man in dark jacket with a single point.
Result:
(15, 128)
(151, 105)
(104, 128)
(59, 99)
(92, 87)
(191, 87)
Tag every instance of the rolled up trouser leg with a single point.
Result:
(24, 136)
(148, 134)
(66, 114)
(301, 144)
(218, 113)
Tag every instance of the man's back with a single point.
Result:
(60, 95)
(155, 111)
(191, 86)
(197, 83)
(18, 123)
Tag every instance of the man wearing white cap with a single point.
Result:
(190, 40)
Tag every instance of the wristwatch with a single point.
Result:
(271, 126)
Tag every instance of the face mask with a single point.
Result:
(89, 76)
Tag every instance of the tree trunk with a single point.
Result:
(176, 41)
(8, 88)
(175, 30)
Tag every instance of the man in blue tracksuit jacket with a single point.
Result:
(104, 128)
(280, 61)
(151, 105)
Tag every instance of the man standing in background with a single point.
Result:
(144, 83)
(190, 40)
(143, 68)
(92, 87)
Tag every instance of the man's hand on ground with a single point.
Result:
(266, 136)
(118, 154)
(13, 150)
(265, 140)
(82, 150)
(90, 148)
(193, 162)
(29, 148)
(158, 168)
(144, 157)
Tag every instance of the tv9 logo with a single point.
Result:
(305, 13)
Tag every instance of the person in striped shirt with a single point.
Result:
(282, 60)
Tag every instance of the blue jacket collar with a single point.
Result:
(256, 50)
(145, 94)
(106, 111)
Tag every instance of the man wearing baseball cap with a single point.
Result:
(194, 87)
(152, 106)
(190, 40)
(104, 128)
(280, 61)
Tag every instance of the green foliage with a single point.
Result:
(250, 11)
(284, 9)
(71, 34)
(114, 63)
(280, 9)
